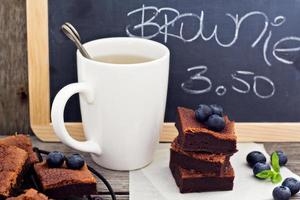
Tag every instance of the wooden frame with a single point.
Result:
(39, 91)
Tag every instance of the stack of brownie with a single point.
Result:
(199, 157)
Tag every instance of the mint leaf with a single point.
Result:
(275, 162)
(265, 174)
(276, 178)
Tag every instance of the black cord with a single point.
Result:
(106, 183)
(38, 153)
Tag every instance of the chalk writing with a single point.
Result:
(186, 86)
(189, 86)
(151, 15)
(221, 90)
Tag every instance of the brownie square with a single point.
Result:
(192, 181)
(195, 136)
(23, 142)
(30, 194)
(63, 182)
(12, 166)
(199, 161)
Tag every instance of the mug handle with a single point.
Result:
(57, 116)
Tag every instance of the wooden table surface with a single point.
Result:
(120, 180)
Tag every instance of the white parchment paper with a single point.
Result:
(155, 182)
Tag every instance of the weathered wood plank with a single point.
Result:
(291, 149)
(119, 197)
(13, 67)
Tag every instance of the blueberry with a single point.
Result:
(293, 184)
(203, 112)
(75, 161)
(55, 159)
(282, 158)
(281, 193)
(215, 123)
(259, 167)
(255, 157)
(217, 109)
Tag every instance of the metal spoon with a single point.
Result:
(73, 35)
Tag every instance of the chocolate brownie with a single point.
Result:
(24, 142)
(12, 165)
(195, 136)
(199, 161)
(30, 194)
(63, 182)
(192, 181)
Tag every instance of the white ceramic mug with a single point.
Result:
(122, 105)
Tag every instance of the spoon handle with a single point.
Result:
(82, 49)
(73, 35)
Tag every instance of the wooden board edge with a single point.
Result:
(246, 132)
(38, 62)
(46, 133)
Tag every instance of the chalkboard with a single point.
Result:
(242, 54)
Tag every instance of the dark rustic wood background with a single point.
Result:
(14, 109)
